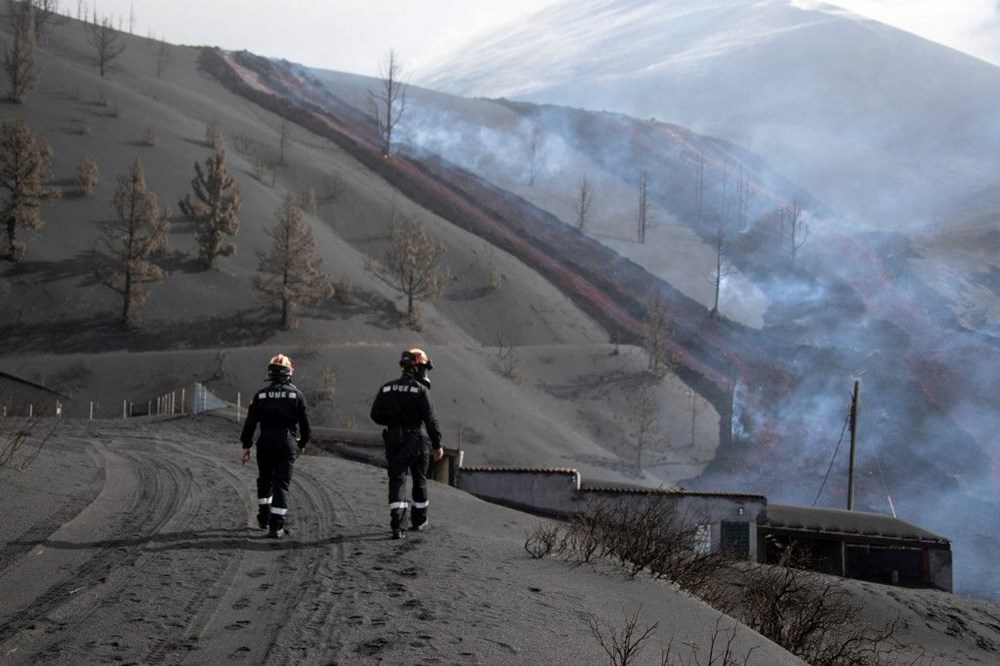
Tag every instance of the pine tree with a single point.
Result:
(412, 264)
(214, 207)
(19, 57)
(290, 273)
(25, 163)
(132, 242)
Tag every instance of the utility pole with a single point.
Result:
(855, 404)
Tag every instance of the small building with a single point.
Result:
(21, 397)
(855, 544)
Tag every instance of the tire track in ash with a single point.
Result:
(357, 607)
(37, 614)
(329, 520)
(152, 611)
(12, 551)
(211, 555)
(263, 618)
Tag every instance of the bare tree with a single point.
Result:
(290, 272)
(161, 58)
(25, 164)
(657, 335)
(645, 429)
(793, 226)
(43, 13)
(213, 208)
(307, 200)
(388, 103)
(732, 214)
(107, 44)
(131, 244)
(584, 201)
(412, 264)
(643, 214)
(536, 154)
(284, 142)
(19, 57)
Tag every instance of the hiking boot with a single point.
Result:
(263, 518)
(399, 533)
(277, 526)
(421, 527)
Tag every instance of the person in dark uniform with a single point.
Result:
(283, 415)
(403, 406)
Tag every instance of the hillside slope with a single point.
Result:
(60, 326)
(889, 129)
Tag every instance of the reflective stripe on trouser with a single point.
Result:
(274, 467)
(405, 457)
(397, 514)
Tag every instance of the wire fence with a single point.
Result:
(196, 399)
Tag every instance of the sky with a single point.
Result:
(355, 35)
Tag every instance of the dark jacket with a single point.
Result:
(281, 411)
(406, 403)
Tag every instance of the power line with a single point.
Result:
(847, 421)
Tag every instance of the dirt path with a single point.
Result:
(136, 543)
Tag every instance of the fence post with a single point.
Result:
(237, 406)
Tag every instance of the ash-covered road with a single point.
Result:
(134, 542)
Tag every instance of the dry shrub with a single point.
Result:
(307, 201)
(87, 176)
(345, 291)
(494, 276)
(329, 381)
(811, 615)
(22, 439)
(213, 135)
(719, 651)
(262, 172)
(507, 363)
(622, 644)
(543, 540)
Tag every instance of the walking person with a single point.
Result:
(403, 405)
(283, 415)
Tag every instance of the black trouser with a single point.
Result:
(274, 466)
(406, 453)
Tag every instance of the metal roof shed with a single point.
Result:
(855, 544)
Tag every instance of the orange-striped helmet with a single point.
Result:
(280, 369)
(415, 362)
(412, 357)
